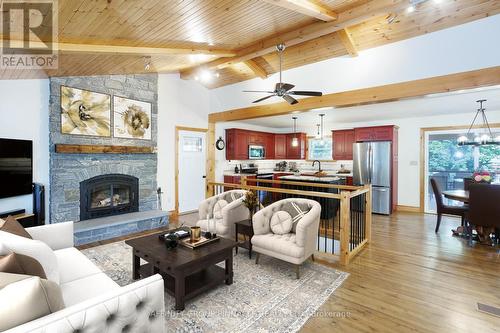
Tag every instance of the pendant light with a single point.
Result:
(479, 139)
(322, 142)
(295, 140)
(318, 134)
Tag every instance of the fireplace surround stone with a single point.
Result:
(67, 171)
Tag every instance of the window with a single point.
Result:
(192, 144)
(319, 149)
(448, 163)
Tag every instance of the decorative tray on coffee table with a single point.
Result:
(202, 241)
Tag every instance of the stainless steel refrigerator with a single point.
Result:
(372, 165)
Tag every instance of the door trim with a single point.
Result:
(176, 172)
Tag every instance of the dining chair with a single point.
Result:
(484, 208)
(467, 182)
(446, 209)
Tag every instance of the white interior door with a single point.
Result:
(191, 176)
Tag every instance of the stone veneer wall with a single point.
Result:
(68, 170)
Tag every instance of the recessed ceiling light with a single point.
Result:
(211, 44)
(410, 9)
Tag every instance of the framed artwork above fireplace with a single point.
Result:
(85, 112)
(131, 118)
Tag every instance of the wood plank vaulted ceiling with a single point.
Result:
(235, 37)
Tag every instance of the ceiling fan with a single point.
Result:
(283, 90)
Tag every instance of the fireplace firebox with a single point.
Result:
(107, 195)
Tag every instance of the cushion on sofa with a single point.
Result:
(232, 196)
(88, 287)
(10, 224)
(281, 223)
(283, 244)
(21, 264)
(36, 249)
(74, 265)
(27, 298)
(219, 205)
(297, 211)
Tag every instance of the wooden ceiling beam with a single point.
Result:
(256, 69)
(306, 7)
(348, 42)
(121, 49)
(356, 15)
(387, 93)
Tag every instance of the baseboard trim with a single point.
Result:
(408, 209)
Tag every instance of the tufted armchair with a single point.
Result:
(234, 212)
(295, 247)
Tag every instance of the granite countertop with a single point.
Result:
(311, 179)
(333, 174)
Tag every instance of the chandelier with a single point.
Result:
(486, 138)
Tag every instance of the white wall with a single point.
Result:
(24, 110)
(180, 103)
(457, 49)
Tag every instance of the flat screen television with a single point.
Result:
(16, 167)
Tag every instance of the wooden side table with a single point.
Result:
(244, 228)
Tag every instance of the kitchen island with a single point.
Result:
(329, 207)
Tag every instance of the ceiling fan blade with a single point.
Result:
(259, 91)
(285, 86)
(263, 98)
(290, 99)
(306, 93)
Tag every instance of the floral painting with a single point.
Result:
(132, 119)
(85, 112)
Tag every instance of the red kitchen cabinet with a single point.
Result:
(280, 146)
(297, 152)
(376, 133)
(343, 141)
(236, 144)
(270, 146)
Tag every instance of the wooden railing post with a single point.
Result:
(345, 226)
(368, 214)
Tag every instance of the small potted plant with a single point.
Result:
(171, 241)
(482, 177)
(251, 201)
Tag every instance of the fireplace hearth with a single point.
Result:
(107, 195)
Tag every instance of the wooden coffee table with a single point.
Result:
(186, 272)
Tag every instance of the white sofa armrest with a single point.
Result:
(57, 235)
(234, 212)
(138, 307)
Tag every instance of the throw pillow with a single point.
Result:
(218, 208)
(27, 298)
(297, 211)
(281, 223)
(20, 264)
(10, 224)
(36, 249)
(232, 196)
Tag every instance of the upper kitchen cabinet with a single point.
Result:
(343, 141)
(280, 146)
(376, 133)
(236, 144)
(296, 152)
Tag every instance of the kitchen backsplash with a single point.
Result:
(301, 164)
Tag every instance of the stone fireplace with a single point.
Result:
(107, 195)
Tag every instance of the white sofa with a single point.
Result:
(94, 302)
(292, 247)
(234, 212)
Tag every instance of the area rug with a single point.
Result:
(263, 298)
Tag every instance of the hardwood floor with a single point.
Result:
(411, 279)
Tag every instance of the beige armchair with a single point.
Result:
(235, 211)
(292, 247)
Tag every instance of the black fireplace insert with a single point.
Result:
(107, 195)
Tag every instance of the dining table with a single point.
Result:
(458, 195)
